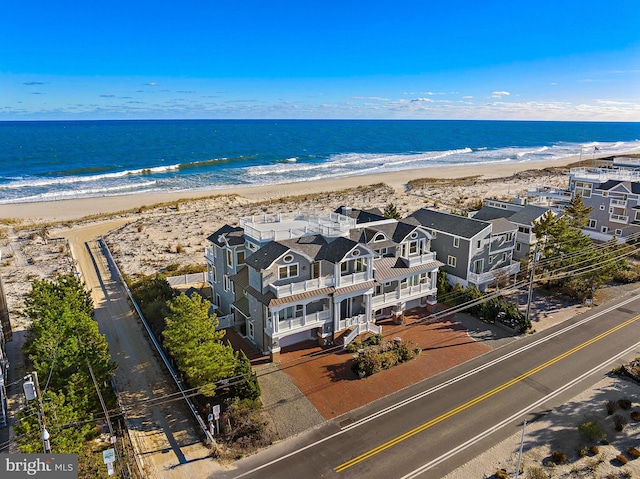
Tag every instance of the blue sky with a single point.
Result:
(543, 60)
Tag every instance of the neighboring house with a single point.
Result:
(474, 252)
(613, 194)
(311, 275)
(520, 214)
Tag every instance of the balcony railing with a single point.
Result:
(489, 276)
(352, 278)
(352, 321)
(622, 203)
(619, 218)
(304, 322)
(402, 293)
(424, 258)
(302, 286)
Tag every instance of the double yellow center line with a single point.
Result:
(473, 402)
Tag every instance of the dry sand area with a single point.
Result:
(148, 239)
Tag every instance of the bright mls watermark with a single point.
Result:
(52, 466)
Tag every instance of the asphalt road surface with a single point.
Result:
(431, 428)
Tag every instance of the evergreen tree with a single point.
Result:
(390, 211)
(191, 338)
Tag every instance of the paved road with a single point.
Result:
(162, 433)
(430, 429)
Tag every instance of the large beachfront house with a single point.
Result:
(285, 278)
(474, 252)
(520, 214)
(613, 193)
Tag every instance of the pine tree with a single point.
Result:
(390, 211)
(191, 338)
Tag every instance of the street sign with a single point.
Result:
(109, 456)
(216, 411)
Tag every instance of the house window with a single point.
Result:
(227, 283)
(288, 271)
(217, 302)
(451, 261)
(605, 193)
(602, 207)
(315, 270)
(509, 237)
(291, 312)
(288, 258)
(504, 256)
(413, 248)
(382, 252)
(523, 229)
(490, 259)
(604, 229)
(479, 244)
(250, 331)
(230, 258)
(478, 266)
(379, 237)
(434, 234)
(618, 232)
(240, 257)
(592, 224)
(518, 247)
(456, 242)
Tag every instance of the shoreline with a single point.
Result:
(78, 208)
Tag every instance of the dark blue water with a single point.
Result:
(62, 159)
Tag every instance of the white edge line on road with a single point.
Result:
(526, 410)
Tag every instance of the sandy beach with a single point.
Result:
(66, 210)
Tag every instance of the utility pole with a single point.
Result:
(31, 389)
(535, 258)
(524, 425)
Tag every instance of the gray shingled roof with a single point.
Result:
(501, 225)
(234, 235)
(448, 223)
(524, 216)
(265, 256)
(335, 251)
(362, 216)
(311, 246)
(608, 185)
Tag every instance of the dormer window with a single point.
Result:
(414, 235)
(379, 237)
(355, 252)
(288, 258)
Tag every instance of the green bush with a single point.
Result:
(582, 450)
(592, 431)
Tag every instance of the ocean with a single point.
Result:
(53, 160)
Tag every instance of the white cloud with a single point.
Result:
(500, 94)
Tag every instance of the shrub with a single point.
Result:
(558, 457)
(621, 459)
(595, 450)
(536, 472)
(612, 406)
(501, 474)
(582, 450)
(633, 452)
(619, 422)
(635, 415)
(592, 431)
